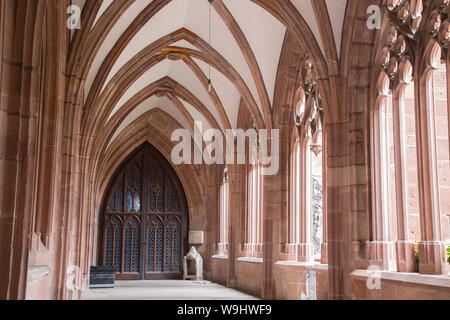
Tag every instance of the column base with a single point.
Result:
(382, 254)
(268, 290)
(290, 251)
(432, 258)
(305, 252)
(231, 283)
(406, 260)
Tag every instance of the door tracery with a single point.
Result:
(144, 220)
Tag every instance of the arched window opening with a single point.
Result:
(442, 146)
(254, 228)
(314, 182)
(316, 196)
(398, 219)
(412, 175)
(294, 219)
(389, 162)
(295, 212)
(396, 202)
(224, 203)
(306, 222)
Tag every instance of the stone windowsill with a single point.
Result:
(250, 260)
(309, 265)
(220, 257)
(414, 278)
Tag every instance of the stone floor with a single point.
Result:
(165, 290)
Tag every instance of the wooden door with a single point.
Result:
(144, 229)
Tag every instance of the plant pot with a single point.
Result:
(417, 265)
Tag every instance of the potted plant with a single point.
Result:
(416, 252)
(448, 256)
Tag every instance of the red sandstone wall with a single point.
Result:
(249, 277)
(411, 163)
(291, 282)
(394, 290)
(219, 271)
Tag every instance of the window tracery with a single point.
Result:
(306, 221)
(224, 203)
(415, 41)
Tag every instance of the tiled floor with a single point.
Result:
(166, 290)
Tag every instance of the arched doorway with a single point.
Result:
(144, 219)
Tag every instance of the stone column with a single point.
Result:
(432, 246)
(404, 245)
(381, 250)
(234, 230)
(21, 43)
(324, 259)
(270, 211)
(338, 198)
(305, 249)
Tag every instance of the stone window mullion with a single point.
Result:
(431, 248)
(404, 245)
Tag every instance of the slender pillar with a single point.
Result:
(305, 249)
(380, 248)
(404, 245)
(233, 225)
(324, 259)
(432, 246)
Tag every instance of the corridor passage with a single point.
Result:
(166, 290)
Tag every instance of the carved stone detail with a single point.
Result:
(406, 14)
(308, 115)
(415, 17)
(438, 25)
(414, 23)
(393, 57)
(317, 216)
(193, 265)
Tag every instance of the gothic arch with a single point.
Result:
(143, 129)
(134, 267)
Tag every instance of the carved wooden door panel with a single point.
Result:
(165, 225)
(145, 220)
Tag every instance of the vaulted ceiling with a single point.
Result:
(156, 54)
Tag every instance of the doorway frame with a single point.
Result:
(148, 149)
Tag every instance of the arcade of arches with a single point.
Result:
(360, 205)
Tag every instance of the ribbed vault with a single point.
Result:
(138, 69)
(133, 56)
